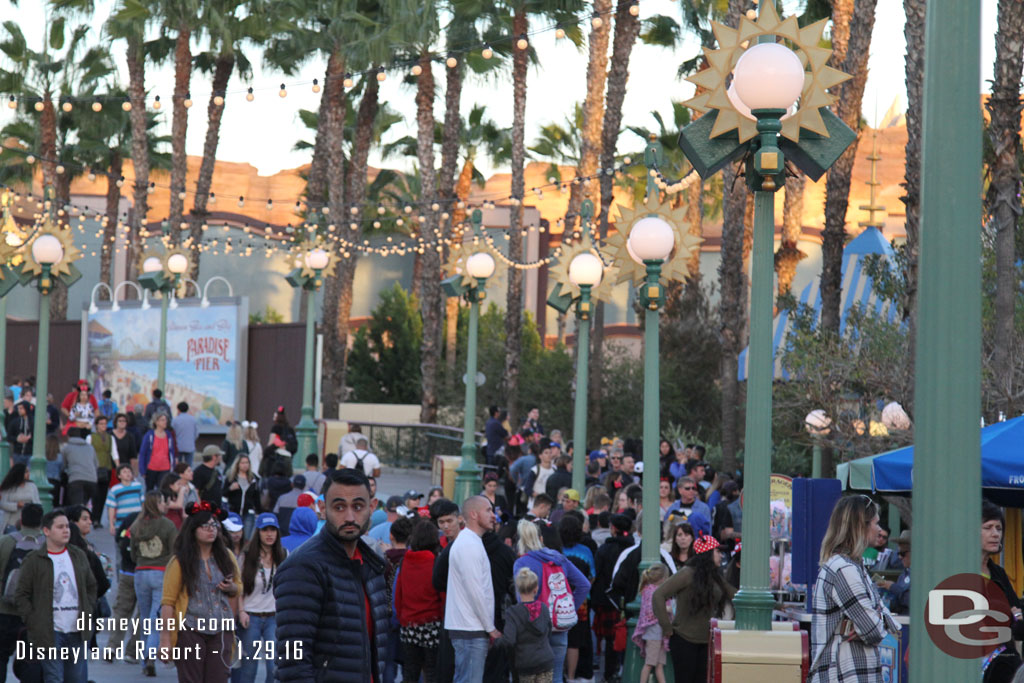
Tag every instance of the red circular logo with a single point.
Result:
(968, 616)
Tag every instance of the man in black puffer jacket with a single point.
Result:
(332, 597)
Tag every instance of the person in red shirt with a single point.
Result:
(72, 397)
(418, 604)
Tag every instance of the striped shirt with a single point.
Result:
(125, 500)
(844, 591)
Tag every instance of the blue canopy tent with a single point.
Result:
(1002, 466)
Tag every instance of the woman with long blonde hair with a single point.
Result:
(233, 444)
(252, 442)
(849, 620)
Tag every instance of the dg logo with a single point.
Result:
(968, 616)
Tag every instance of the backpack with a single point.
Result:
(23, 545)
(359, 461)
(555, 593)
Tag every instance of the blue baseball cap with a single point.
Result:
(233, 522)
(597, 455)
(267, 519)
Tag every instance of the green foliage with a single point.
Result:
(384, 364)
(268, 316)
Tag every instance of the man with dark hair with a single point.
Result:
(542, 504)
(330, 463)
(108, 406)
(445, 514)
(495, 433)
(157, 404)
(55, 589)
(628, 469)
(314, 477)
(291, 499)
(186, 432)
(332, 594)
(14, 547)
(206, 477)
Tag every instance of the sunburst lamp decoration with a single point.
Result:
(50, 255)
(759, 68)
(313, 262)
(469, 264)
(580, 269)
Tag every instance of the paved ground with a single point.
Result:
(392, 482)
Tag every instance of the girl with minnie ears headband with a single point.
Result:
(200, 584)
(701, 594)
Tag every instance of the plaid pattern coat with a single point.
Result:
(843, 590)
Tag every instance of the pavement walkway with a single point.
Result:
(392, 482)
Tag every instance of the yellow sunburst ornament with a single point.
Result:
(616, 247)
(459, 254)
(558, 272)
(732, 43)
(71, 253)
(308, 252)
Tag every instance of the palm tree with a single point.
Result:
(852, 55)
(104, 143)
(788, 255)
(1002, 199)
(228, 32)
(521, 10)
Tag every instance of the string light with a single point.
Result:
(316, 85)
(348, 82)
(416, 69)
(451, 62)
(97, 106)
(381, 75)
(126, 106)
(156, 102)
(66, 106)
(283, 92)
(249, 96)
(522, 43)
(487, 52)
(188, 101)
(38, 106)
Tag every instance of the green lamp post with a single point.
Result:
(49, 256)
(315, 261)
(948, 359)
(478, 266)
(584, 270)
(163, 276)
(746, 120)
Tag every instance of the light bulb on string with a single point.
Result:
(283, 92)
(188, 101)
(348, 82)
(249, 96)
(38, 106)
(316, 85)
(416, 69)
(487, 52)
(126, 106)
(522, 43)
(559, 32)
(596, 21)
(381, 75)
(66, 106)
(97, 106)
(156, 102)
(634, 8)
(451, 62)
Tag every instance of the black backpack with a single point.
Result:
(23, 545)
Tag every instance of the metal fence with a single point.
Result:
(412, 445)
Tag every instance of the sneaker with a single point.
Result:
(150, 670)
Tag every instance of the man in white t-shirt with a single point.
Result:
(543, 470)
(362, 457)
(55, 587)
(350, 441)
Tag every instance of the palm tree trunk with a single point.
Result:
(695, 217)
(593, 119)
(514, 299)
(316, 184)
(140, 151)
(627, 28)
(788, 255)
(110, 228)
(59, 294)
(837, 185)
(447, 190)
(913, 31)
(430, 283)
(48, 144)
(732, 279)
(221, 75)
(1003, 199)
(462, 189)
(337, 297)
(179, 128)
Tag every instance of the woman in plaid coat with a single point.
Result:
(849, 620)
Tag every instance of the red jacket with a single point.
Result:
(416, 601)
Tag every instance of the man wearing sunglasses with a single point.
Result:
(899, 590)
(688, 502)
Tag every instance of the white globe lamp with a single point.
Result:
(817, 423)
(651, 239)
(47, 250)
(152, 265)
(586, 269)
(317, 259)
(768, 76)
(480, 265)
(894, 417)
(177, 263)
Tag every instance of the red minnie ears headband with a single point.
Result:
(705, 543)
(205, 506)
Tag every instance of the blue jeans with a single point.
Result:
(559, 644)
(260, 629)
(470, 654)
(61, 670)
(149, 589)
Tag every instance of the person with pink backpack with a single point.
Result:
(563, 588)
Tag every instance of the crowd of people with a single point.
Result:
(235, 562)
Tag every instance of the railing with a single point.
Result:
(412, 445)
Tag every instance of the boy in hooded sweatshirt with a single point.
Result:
(527, 627)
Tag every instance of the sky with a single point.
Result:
(263, 132)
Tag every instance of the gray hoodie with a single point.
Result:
(79, 459)
(527, 627)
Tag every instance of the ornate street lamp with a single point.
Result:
(49, 257)
(476, 265)
(314, 262)
(818, 425)
(164, 275)
(746, 120)
(578, 275)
